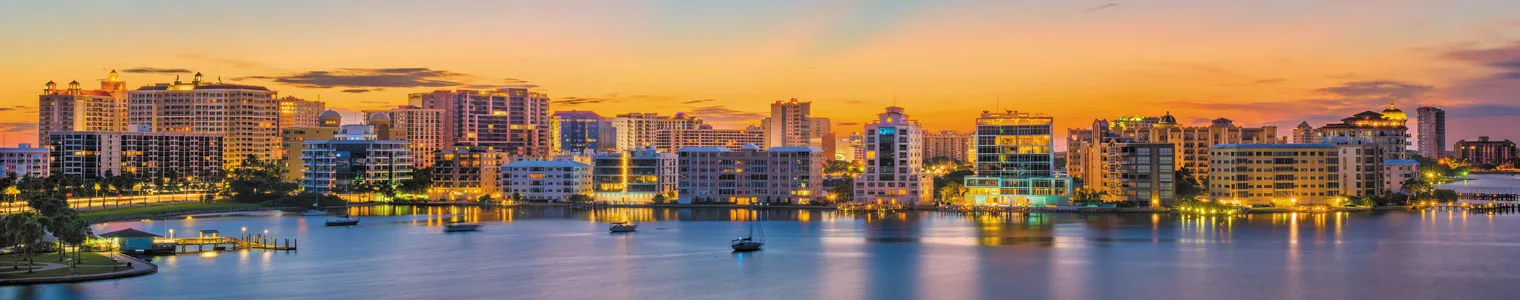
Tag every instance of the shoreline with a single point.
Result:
(139, 268)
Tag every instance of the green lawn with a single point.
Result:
(161, 209)
(92, 263)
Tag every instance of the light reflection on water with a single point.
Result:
(563, 253)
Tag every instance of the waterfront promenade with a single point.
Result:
(125, 266)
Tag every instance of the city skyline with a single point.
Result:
(944, 62)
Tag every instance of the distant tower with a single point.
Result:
(382, 124)
(1304, 134)
(788, 124)
(1432, 130)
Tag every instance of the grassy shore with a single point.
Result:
(160, 210)
(13, 265)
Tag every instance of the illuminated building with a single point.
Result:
(1304, 134)
(1398, 171)
(171, 155)
(295, 112)
(1273, 174)
(1192, 142)
(380, 121)
(545, 180)
(1432, 130)
(1140, 173)
(1386, 130)
(355, 132)
(948, 144)
(1360, 166)
(511, 120)
(576, 131)
(246, 116)
(779, 175)
(788, 124)
(77, 109)
(23, 161)
(291, 139)
(337, 166)
(1015, 162)
(635, 176)
(1484, 152)
(671, 140)
(466, 173)
(638, 130)
(894, 162)
(853, 148)
(422, 131)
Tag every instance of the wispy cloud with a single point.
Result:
(723, 114)
(152, 70)
(1101, 7)
(697, 101)
(356, 91)
(370, 78)
(1270, 81)
(18, 126)
(14, 108)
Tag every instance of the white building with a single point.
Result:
(894, 161)
(23, 161)
(541, 180)
(1398, 171)
(638, 130)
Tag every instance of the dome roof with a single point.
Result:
(1168, 118)
(380, 115)
(330, 114)
(1393, 113)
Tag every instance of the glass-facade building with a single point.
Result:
(576, 131)
(1015, 162)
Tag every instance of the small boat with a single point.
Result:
(749, 243)
(461, 227)
(345, 221)
(623, 227)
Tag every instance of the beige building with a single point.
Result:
(779, 175)
(1278, 174)
(669, 141)
(639, 130)
(1398, 171)
(296, 112)
(1139, 173)
(421, 128)
(788, 124)
(466, 173)
(1192, 142)
(292, 137)
(951, 144)
(76, 109)
(246, 116)
(1386, 130)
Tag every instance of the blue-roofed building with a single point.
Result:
(545, 180)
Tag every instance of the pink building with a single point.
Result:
(779, 175)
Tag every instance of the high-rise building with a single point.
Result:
(636, 176)
(1277, 174)
(894, 162)
(948, 144)
(1359, 166)
(77, 109)
(355, 132)
(421, 128)
(292, 139)
(1192, 142)
(1015, 162)
(789, 124)
(1386, 130)
(338, 166)
(1432, 130)
(1140, 173)
(1484, 151)
(296, 112)
(23, 161)
(511, 120)
(639, 130)
(852, 148)
(779, 175)
(466, 173)
(1304, 134)
(671, 140)
(544, 180)
(576, 131)
(246, 116)
(821, 134)
(172, 155)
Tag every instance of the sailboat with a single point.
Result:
(345, 220)
(749, 243)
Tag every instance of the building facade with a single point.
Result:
(1015, 162)
(638, 176)
(1304, 134)
(821, 134)
(176, 155)
(948, 144)
(1397, 172)
(1432, 131)
(639, 130)
(422, 130)
(247, 117)
(77, 109)
(297, 112)
(577, 131)
(292, 141)
(23, 161)
(789, 124)
(1192, 142)
(1360, 168)
(894, 162)
(1140, 173)
(347, 166)
(545, 181)
(1386, 130)
(511, 120)
(671, 140)
(462, 173)
(1484, 151)
(789, 175)
(1279, 174)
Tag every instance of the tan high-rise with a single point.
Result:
(1278, 174)
(76, 109)
(246, 116)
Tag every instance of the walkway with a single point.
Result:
(138, 268)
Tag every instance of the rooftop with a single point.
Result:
(794, 149)
(546, 164)
(1401, 162)
(128, 233)
(1273, 146)
(704, 149)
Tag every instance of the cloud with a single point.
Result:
(506, 83)
(1384, 90)
(18, 107)
(152, 70)
(723, 114)
(1500, 85)
(1270, 81)
(1100, 7)
(356, 91)
(841, 124)
(573, 101)
(370, 78)
(18, 126)
(615, 98)
(697, 101)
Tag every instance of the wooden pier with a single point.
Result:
(247, 241)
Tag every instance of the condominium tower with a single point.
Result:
(512, 120)
(788, 124)
(894, 161)
(1015, 162)
(1432, 130)
(76, 109)
(246, 116)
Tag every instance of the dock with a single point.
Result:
(247, 241)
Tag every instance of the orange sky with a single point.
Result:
(944, 61)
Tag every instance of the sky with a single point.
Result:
(1256, 62)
